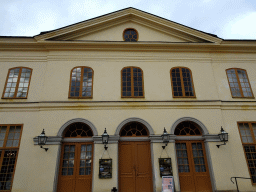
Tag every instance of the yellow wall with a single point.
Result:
(39, 166)
(35, 170)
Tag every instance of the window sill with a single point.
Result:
(243, 97)
(14, 98)
(80, 97)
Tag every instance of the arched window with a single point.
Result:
(182, 82)
(81, 81)
(132, 82)
(17, 83)
(187, 128)
(134, 129)
(130, 35)
(78, 130)
(239, 83)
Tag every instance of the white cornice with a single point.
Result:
(129, 14)
(128, 46)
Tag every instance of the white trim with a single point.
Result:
(77, 120)
(199, 123)
(134, 119)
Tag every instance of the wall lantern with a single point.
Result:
(105, 137)
(223, 137)
(165, 137)
(42, 140)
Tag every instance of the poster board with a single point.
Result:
(167, 184)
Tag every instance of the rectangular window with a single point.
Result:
(81, 81)
(239, 83)
(9, 147)
(182, 83)
(17, 83)
(248, 137)
(132, 82)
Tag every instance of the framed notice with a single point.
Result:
(167, 184)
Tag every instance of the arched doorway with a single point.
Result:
(135, 168)
(75, 171)
(191, 159)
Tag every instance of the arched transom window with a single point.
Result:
(134, 129)
(182, 82)
(130, 35)
(239, 83)
(78, 130)
(187, 128)
(132, 82)
(81, 83)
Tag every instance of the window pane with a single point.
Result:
(24, 82)
(87, 82)
(68, 160)
(176, 82)
(22, 86)
(75, 82)
(2, 134)
(254, 129)
(250, 151)
(7, 168)
(130, 35)
(13, 136)
(187, 83)
(11, 83)
(245, 133)
(243, 78)
(126, 77)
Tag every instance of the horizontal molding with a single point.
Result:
(77, 140)
(176, 100)
(112, 139)
(20, 106)
(23, 59)
(56, 140)
(51, 140)
(212, 138)
(158, 138)
(134, 139)
(126, 46)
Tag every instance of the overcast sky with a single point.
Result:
(229, 19)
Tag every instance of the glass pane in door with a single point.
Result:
(182, 156)
(85, 160)
(68, 160)
(198, 156)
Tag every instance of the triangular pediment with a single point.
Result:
(110, 27)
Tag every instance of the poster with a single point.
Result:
(167, 184)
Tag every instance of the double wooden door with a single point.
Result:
(135, 170)
(192, 165)
(75, 174)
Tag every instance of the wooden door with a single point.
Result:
(135, 170)
(192, 165)
(75, 173)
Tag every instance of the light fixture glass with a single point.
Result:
(42, 140)
(165, 138)
(105, 138)
(223, 137)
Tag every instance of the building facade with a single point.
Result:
(134, 74)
